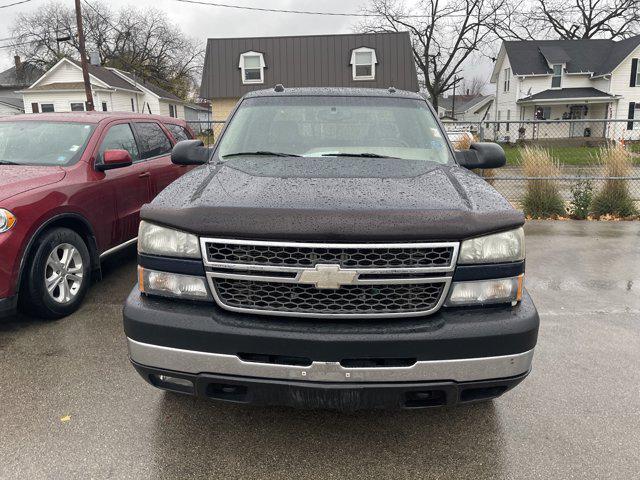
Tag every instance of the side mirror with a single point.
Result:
(114, 159)
(482, 155)
(190, 152)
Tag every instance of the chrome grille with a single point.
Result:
(346, 300)
(329, 280)
(297, 256)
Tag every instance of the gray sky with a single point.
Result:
(201, 22)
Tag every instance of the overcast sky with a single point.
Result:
(203, 22)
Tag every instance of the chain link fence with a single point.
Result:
(575, 162)
(578, 161)
(207, 130)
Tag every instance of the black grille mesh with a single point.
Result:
(348, 299)
(345, 257)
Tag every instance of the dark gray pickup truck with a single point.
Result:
(333, 251)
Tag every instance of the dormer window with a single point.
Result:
(556, 79)
(363, 63)
(252, 67)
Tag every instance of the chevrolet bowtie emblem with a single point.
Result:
(328, 276)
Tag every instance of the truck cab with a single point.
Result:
(332, 251)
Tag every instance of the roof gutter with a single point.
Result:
(569, 100)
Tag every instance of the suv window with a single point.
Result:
(120, 137)
(179, 132)
(153, 141)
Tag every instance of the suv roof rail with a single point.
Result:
(278, 88)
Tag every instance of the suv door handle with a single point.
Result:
(144, 175)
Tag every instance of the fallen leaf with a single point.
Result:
(66, 418)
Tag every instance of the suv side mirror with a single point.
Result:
(190, 152)
(114, 159)
(482, 155)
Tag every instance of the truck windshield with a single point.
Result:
(323, 126)
(42, 143)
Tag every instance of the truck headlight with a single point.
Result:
(157, 240)
(175, 285)
(7, 220)
(482, 292)
(498, 247)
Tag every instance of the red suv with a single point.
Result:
(71, 189)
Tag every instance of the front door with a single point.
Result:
(577, 112)
(131, 184)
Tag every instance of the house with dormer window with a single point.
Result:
(565, 80)
(235, 66)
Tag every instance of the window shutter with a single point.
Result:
(634, 72)
(632, 107)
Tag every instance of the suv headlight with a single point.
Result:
(157, 240)
(7, 220)
(495, 248)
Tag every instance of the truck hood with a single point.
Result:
(343, 199)
(15, 179)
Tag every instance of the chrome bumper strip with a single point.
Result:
(459, 370)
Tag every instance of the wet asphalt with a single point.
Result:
(72, 407)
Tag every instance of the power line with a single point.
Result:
(15, 3)
(304, 12)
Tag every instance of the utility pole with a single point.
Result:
(83, 58)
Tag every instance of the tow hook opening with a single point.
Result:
(425, 398)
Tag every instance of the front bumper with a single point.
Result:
(455, 355)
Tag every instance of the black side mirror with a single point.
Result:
(482, 155)
(190, 152)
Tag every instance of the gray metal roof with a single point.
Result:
(308, 61)
(597, 56)
(568, 93)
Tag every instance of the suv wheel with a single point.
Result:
(58, 276)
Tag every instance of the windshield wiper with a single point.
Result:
(9, 162)
(261, 153)
(361, 155)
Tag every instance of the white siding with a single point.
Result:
(116, 101)
(66, 72)
(620, 86)
(164, 108)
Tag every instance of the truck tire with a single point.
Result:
(57, 276)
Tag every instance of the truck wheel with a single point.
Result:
(58, 276)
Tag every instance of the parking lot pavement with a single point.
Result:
(72, 407)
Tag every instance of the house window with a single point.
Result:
(133, 105)
(172, 111)
(363, 63)
(35, 108)
(77, 106)
(46, 107)
(556, 79)
(252, 67)
(508, 118)
(507, 79)
(104, 106)
(542, 113)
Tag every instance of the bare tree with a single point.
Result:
(144, 43)
(474, 85)
(444, 34)
(574, 19)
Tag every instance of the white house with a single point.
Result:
(468, 108)
(61, 89)
(568, 79)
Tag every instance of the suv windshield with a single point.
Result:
(322, 126)
(42, 143)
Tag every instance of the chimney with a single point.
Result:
(19, 68)
(94, 58)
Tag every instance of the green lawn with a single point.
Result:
(565, 155)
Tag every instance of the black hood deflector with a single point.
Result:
(331, 199)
